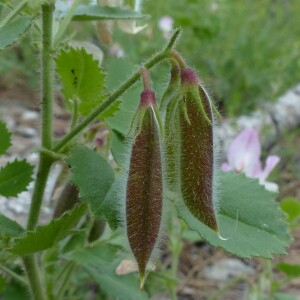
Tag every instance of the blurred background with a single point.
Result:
(248, 54)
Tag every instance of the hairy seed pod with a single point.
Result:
(197, 149)
(144, 184)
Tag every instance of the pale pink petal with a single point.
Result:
(244, 151)
(225, 167)
(271, 162)
(165, 24)
(256, 171)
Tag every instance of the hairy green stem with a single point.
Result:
(38, 192)
(47, 75)
(15, 276)
(13, 13)
(117, 93)
(30, 262)
(34, 276)
(47, 93)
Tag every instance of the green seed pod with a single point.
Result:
(167, 108)
(144, 184)
(197, 157)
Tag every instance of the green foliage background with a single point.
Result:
(247, 52)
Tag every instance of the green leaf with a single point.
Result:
(248, 216)
(10, 32)
(82, 78)
(44, 237)
(97, 256)
(119, 146)
(291, 206)
(93, 175)
(5, 136)
(9, 227)
(15, 291)
(96, 12)
(290, 270)
(111, 204)
(117, 70)
(111, 110)
(119, 287)
(15, 177)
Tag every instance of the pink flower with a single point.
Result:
(244, 156)
(165, 24)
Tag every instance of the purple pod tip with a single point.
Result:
(188, 76)
(147, 98)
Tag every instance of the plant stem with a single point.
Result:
(47, 75)
(38, 192)
(14, 12)
(146, 78)
(15, 276)
(30, 262)
(116, 94)
(34, 277)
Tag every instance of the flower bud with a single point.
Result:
(144, 184)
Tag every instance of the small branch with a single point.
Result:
(178, 58)
(15, 276)
(173, 40)
(34, 276)
(116, 94)
(146, 78)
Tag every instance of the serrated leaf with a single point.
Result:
(15, 177)
(93, 175)
(82, 78)
(248, 216)
(290, 270)
(11, 31)
(9, 227)
(5, 136)
(119, 287)
(97, 255)
(96, 12)
(44, 237)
